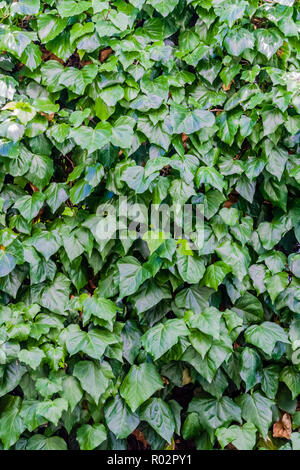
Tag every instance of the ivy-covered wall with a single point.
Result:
(124, 343)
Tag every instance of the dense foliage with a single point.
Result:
(117, 344)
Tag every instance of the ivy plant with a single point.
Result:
(126, 343)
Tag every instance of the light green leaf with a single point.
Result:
(256, 409)
(140, 383)
(265, 336)
(160, 338)
(243, 438)
(91, 436)
(158, 414)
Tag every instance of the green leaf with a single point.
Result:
(208, 322)
(92, 378)
(268, 41)
(29, 206)
(41, 442)
(277, 284)
(243, 438)
(272, 118)
(46, 243)
(230, 216)
(295, 441)
(291, 377)
(163, 7)
(91, 436)
(265, 336)
(294, 264)
(132, 275)
(190, 269)
(122, 132)
(256, 409)
(50, 26)
(184, 120)
(238, 41)
(71, 391)
(105, 310)
(40, 171)
(80, 191)
(163, 336)
(235, 256)
(10, 376)
(32, 56)
(92, 343)
(210, 176)
(111, 95)
(193, 298)
(91, 139)
(140, 383)
(120, 420)
(215, 274)
(77, 80)
(7, 263)
(11, 424)
(249, 308)
(26, 7)
(68, 8)
(7, 87)
(52, 409)
(228, 126)
(56, 195)
(215, 413)
(29, 415)
(269, 380)
(47, 387)
(251, 368)
(158, 414)
(55, 296)
(270, 233)
(32, 357)
(15, 41)
(230, 12)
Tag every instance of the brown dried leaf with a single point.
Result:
(85, 62)
(48, 55)
(166, 170)
(227, 88)
(48, 116)
(283, 427)
(280, 52)
(91, 285)
(230, 446)
(184, 137)
(228, 203)
(165, 380)
(232, 199)
(140, 437)
(34, 188)
(104, 54)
